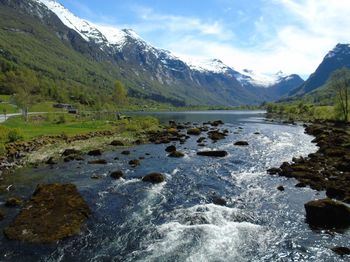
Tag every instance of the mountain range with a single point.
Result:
(71, 51)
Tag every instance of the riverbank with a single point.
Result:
(329, 168)
(41, 143)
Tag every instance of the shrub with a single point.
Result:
(14, 135)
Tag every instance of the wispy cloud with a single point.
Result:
(288, 35)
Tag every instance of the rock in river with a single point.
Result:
(327, 213)
(54, 212)
(176, 154)
(98, 162)
(96, 152)
(170, 149)
(241, 143)
(117, 174)
(342, 251)
(194, 131)
(214, 153)
(154, 178)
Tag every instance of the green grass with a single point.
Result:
(9, 108)
(5, 98)
(45, 107)
(48, 125)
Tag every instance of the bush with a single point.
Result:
(14, 135)
(61, 119)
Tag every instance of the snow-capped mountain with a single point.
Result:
(337, 58)
(149, 71)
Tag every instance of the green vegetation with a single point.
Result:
(340, 83)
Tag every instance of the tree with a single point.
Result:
(120, 95)
(25, 85)
(340, 83)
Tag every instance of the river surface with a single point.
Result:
(177, 220)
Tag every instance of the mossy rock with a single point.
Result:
(54, 212)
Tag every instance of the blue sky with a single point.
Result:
(263, 35)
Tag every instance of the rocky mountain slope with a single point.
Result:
(148, 72)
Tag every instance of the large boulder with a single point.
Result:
(154, 178)
(71, 151)
(54, 212)
(170, 149)
(117, 143)
(214, 153)
(327, 213)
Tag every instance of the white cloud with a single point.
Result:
(288, 35)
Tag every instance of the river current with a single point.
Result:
(177, 220)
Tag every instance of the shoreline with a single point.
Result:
(328, 169)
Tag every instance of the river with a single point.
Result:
(177, 220)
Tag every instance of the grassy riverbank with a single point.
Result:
(16, 129)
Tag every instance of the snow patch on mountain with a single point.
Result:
(209, 65)
(249, 77)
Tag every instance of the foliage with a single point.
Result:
(120, 93)
(340, 83)
(15, 135)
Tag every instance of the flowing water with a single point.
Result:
(177, 220)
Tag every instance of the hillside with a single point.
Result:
(75, 59)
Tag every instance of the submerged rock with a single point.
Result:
(176, 154)
(241, 143)
(125, 152)
(327, 213)
(117, 174)
(134, 162)
(154, 178)
(214, 153)
(54, 212)
(98, 162)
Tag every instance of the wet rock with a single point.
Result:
(342, 251)
(241, 143)
(96, 152)
(154, 178)
(51, 161)
(71, 151)
(125, 152)
(216, 135)
(170, 149)
(335, 192)
(134, 162)
(202, 145)
(98, 162)
(301, 184)
(54, 212)
(13, 202)
(219, 201)
(117, 174)
(138, 142)
(273, 171)
(280, 188)
(214, 153)
(257, 133)
(2, 215)
(95, 176)
(176, 154)
(201, 139)
(117, 143)
(327, 214)
(72, 158)
(194, 131)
